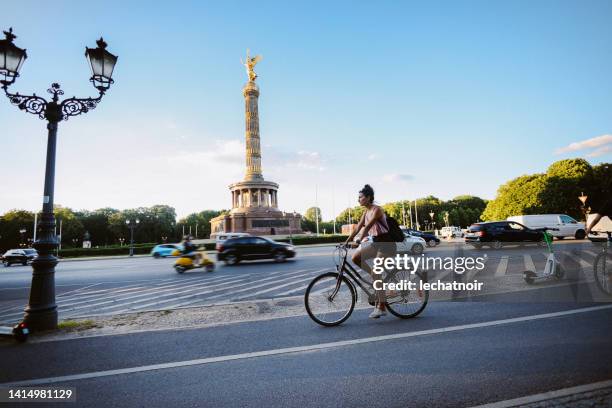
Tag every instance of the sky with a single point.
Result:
(413, 97)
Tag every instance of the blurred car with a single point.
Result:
(221, 238)
(19, 256)
(430, 239)
(164, 250)
(411, 244)
(496, 233)
(235, 250)
(451, 232)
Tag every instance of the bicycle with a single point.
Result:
(602, 267)
(330, 297)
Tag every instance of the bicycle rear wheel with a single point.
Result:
(324, 304)
(406, 303)
(603, 272)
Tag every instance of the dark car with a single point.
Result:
(19, 256)
(431, 239)
(496, 233)
(235, 250)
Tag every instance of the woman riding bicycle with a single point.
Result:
(375, 229)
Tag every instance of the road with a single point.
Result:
(112, 286)
(453, 355)
(501, 345)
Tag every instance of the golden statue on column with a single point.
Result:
(250, 65)
(254, 199)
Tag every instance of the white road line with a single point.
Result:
(298, 289)
(299, 349)
(250, 295)
(80, 290)
(191, 289)
(112, 296)
(528, 261)
(502, 267)
(134, 288)
(120, 301)
(545, 396)
(190, 294)
(292, 275)
(593, 254)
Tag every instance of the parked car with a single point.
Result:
(565, 226)
(19, 256)
(235, 250)
(430, 239)
(164, 250)
(452, 232)
(411, 244)
(496, 233)
(221, 238)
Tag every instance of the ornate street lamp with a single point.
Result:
(41, 312)
(131, 225)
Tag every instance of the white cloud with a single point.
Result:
(601, 151)
(374, 156)
(394, 178)
(601, 145)
(309, 160)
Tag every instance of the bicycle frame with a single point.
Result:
(354, 276)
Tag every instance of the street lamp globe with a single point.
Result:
(11, 58)
(102, 64)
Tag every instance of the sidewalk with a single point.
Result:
(595, 395)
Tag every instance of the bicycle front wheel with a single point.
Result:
(603, 272)
(330, 299)
(406, 303)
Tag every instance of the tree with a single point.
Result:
(554, 192)
(313, 213)
(202, 220)
(71, 226)
(353, 214)
(96, 223)
(518, 196)
(11, 223)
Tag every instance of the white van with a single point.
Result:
(452, 232)
(222, 237)
(566, 225)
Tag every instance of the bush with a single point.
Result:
(306, 240)
(124, 250)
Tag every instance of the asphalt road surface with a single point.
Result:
(456, 354)
(113, 286)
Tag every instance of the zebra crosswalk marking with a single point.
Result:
(502, 267)
(199, 294)
(294, 275)
(528, 261)
(274, 288)
(143, 293)
(190, 294)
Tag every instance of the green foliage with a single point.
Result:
(10, 225)
(554, 192)
(312, 214)
(202, 220)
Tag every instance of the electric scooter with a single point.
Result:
(552, 268)
(20, 332)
